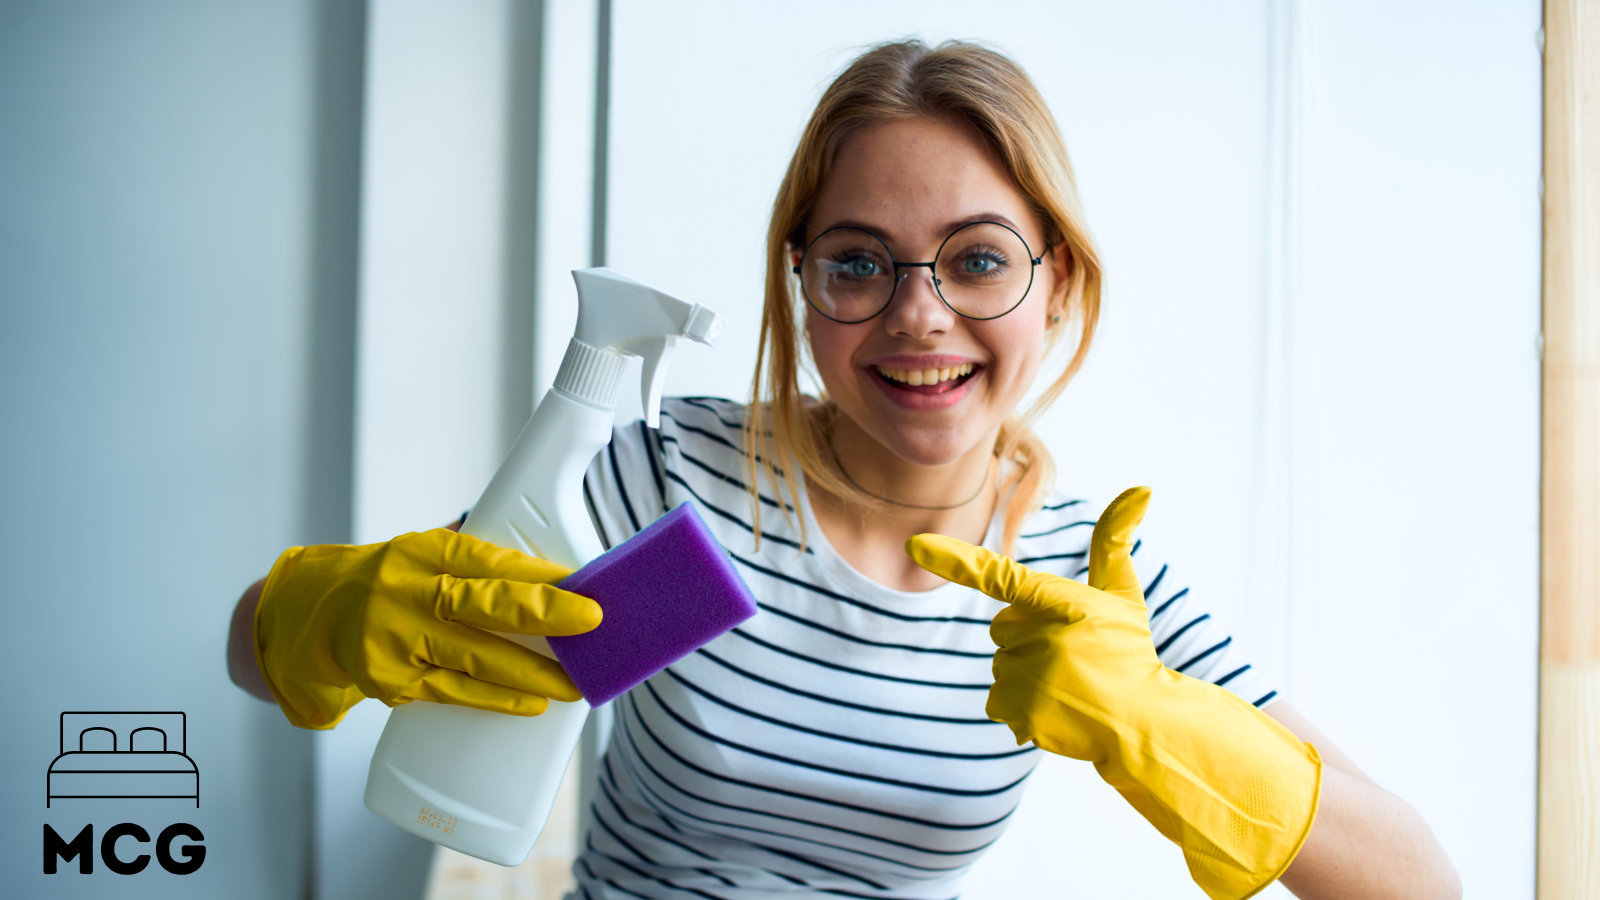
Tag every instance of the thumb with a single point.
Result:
(976, 567)
(1110, 549)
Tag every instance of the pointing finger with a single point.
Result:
(998, 576)
(964, 563)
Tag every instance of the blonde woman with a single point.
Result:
(935, 614)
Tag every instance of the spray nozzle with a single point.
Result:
(618, 314)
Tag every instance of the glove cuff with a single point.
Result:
(310, 704)
(1269, 842)
(1229, 784)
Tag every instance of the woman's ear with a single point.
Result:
(1059, 259)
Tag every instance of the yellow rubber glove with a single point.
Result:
(1076, 672)
(410, 619)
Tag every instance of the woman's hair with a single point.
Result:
(957, 81)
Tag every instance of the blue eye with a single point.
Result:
(857, 266)
(980, 263)
(861, 267)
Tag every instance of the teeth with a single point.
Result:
(926, 376)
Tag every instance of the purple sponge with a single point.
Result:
(665, 592)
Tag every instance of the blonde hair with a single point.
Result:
(959, 81)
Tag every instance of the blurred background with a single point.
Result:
(294, 272)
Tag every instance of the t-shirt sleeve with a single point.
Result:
(1191, 640)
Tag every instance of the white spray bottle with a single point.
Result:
(480, 782)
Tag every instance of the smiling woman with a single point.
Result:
(907, 153)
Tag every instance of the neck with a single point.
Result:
(956, 498)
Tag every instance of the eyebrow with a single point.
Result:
(883, 233)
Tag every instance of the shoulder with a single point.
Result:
(700, 441)
(695, 455)
(705, 430)
(694, 420)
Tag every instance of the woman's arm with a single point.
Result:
(1365, 842)
(242, 666)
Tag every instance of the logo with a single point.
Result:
(123, 755)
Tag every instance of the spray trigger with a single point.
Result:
(656, 352)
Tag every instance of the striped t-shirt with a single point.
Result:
(836, 743)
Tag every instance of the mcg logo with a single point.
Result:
(123, 755)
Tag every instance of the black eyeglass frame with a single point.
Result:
(929, 265)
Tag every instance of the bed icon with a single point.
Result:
(111, 755)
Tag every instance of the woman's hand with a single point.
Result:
(411, 619)
(1071, 658)
(1076, 672)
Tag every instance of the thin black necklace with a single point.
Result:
(893, 502)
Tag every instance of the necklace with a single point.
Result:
(893, 502)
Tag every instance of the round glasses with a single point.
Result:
(981, 271)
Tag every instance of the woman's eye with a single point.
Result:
(981, 262)
(860, 267)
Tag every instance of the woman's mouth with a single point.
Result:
(926, 388)
(927, 381)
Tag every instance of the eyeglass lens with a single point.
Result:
(982, 270)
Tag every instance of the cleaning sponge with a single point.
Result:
(665, 592)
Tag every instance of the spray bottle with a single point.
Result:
(483, 783)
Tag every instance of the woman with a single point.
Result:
(848, 740)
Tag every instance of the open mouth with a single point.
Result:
(927, 381)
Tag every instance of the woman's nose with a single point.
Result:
(916, 309)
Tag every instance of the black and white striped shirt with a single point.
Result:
(836, 743)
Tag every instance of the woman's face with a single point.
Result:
(912, 183)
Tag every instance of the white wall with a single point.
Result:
(177, 285)
(1320, 224)
(1415, 431)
